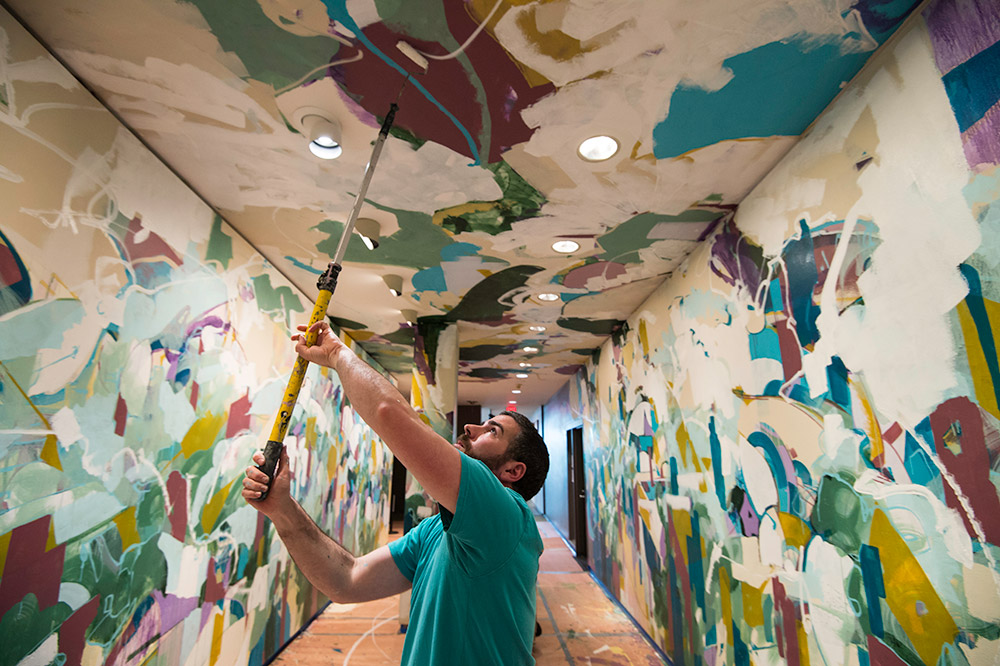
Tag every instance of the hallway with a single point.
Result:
(580, 625)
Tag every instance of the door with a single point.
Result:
(577, 500)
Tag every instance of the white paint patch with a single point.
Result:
(913, 193)
(73, 595)
(757, 476)
(45, 654)
(66, 427)
(83, 514)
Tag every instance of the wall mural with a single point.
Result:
(794, 447)
(143, 353)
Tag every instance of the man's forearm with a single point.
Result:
(326, 563)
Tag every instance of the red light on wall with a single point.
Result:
(511, 406)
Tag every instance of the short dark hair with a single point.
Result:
(528, 447)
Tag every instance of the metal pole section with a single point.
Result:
(327, 283)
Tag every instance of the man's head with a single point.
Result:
(509, 445)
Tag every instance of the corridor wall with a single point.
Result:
(143, 355)
(793, 447)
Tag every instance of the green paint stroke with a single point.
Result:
(483, 302)
(347, 324)
(25, 626)
(519, 201)
(595, 326)
(220, 244)
(622, 244)
(484, 353)
(270, 54)
(417, 244)
(840, 515)
(282, 299)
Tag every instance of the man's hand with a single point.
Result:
(325, 350)
(255, 482)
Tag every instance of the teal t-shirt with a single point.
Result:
(473, 574)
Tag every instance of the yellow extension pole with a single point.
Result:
(327, 283)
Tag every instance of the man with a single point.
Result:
(473, 566)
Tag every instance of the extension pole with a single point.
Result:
(327, 283)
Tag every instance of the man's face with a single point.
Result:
(488, 442)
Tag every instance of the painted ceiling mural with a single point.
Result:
(481, 172)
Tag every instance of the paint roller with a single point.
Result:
(326, 283)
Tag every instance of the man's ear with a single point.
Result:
(512, 471)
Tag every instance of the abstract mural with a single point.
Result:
(143, 354)
(793, 447)
(481, 173)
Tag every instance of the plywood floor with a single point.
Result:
(580, 625)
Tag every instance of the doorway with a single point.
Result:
(577, 500)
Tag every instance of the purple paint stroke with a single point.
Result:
(579, 277)
(981, 142)
(735, 259)
(959, 29)
(749, 519)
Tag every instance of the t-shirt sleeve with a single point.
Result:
(405, 551)
(488, 521)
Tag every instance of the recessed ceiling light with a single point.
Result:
(531, 350)
(521, 375)
(536, 329)
(598, 148)
(512, 402)
(548, 296)
(516, 391)
(566, 246)
(524, 365)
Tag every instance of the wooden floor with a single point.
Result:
(580, 625)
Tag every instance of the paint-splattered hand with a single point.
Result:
(255, 482)
(325, 350)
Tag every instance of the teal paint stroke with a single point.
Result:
(337, 10)
(47, 323)
(980, 317)
(777, 89)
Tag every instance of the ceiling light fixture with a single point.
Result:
(369, 230)
(323, 133)
(524, 365)
(395, 284)
(548, 296)
(409, 316)
(598, 148)
(522, 375)
(566, 246)
(515, 390)
(536, 328)
(531, 350)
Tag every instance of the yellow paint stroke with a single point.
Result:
(127, 529)
(727, 603)
(463, 209)
(50, 449)
(213, 507)
(202, 433)
(909, 593)
(311, 432)
(874, 431)
(803, 643)
(796, 530)
(51, 542)
(753, 608)
(643, 338)
(683, 442)
(4, 547)
(50, 452)
(217, 627)
(682, 525)
(982, 382)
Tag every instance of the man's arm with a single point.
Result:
(432, 460)
(330, 567)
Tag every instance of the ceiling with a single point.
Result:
(480, 173)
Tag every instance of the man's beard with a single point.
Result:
(493, 462)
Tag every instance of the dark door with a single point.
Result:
(577, 500)
(397, 493)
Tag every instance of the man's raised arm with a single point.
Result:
(432, 460)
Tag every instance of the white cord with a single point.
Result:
(457, 52)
